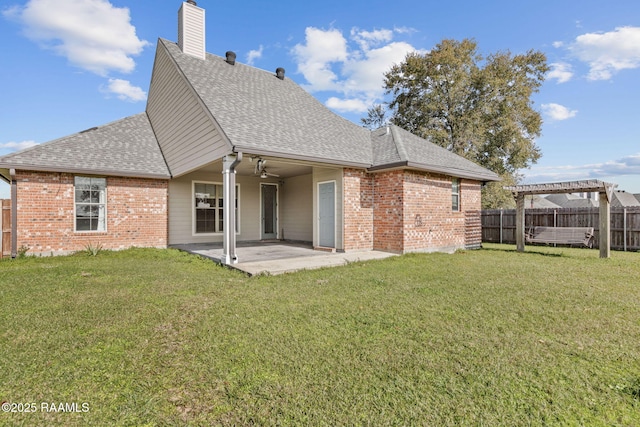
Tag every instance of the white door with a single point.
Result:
(327, 214)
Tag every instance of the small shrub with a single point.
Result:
(93, 249)
(22, 251)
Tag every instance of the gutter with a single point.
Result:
(14, 214)
(229, 164)
(458, 173)
(58, 169)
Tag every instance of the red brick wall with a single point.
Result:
(409, 211)
(136, 214)
(429, 222)
(388, 211)
(358, 209)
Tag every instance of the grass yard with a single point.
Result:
(158, 337)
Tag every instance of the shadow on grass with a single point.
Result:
(529, 251)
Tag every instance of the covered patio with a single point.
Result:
(277, 257)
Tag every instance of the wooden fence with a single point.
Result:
(5, 228)
(499, 225)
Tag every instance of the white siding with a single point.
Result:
(296, 208)
(191, 38)
(181, 208)
(184, 128)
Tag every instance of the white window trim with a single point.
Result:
(193, 209)
(459, 193)
(106, 210)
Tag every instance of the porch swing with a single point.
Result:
(560, 235)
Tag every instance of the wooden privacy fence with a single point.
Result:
(5, 228)
(499, 225)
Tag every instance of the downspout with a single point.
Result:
(229, 164)
(14, 214)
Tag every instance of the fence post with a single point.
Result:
(555, 223)
(624, 227)
(501, 212)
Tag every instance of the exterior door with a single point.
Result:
(269, 210)
(327, 214)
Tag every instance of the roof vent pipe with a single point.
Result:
(231, 57)
(192, 2)
(280, 73)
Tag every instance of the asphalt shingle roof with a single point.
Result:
(258, 113)
(394, 145)
(126, 147)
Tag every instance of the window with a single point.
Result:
(455, 194)
(91, 203)
(209, 207)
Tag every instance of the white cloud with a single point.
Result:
(366, 74)
(558, 112)
(629, 165)
(354, 68)
(92, 34)
(125, 91)
(560, 71)
(17, 146)
(254, 54)
(348, 105)
(315, 58)
(367, 38)
(608, 53)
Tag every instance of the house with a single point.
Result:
(539, 202)
(622, 199)
(226, 152)
(566, 200)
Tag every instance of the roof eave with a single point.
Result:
(306, 158)
(458, 173)
(128, 174)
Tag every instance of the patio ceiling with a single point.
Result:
(277, 167)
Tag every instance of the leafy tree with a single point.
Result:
(376, 117)
(479, 108)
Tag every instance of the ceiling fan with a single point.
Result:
(261, 170)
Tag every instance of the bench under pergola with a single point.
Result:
(604, 189)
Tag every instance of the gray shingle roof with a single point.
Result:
(398, 146)
(126, 147)
(259, 112)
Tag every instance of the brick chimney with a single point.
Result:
(191, 29)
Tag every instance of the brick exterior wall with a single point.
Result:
(358, 209)
(136, 214)
(429, 221)
(411, 212)
(388, 211)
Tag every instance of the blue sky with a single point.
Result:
(69, 65)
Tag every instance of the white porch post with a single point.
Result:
(229, 164)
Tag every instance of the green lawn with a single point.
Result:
(159, 337)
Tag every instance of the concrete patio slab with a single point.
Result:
(279, 257)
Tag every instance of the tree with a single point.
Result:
(478, 108)
(376, 117)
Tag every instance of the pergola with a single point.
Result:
(604, 189)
